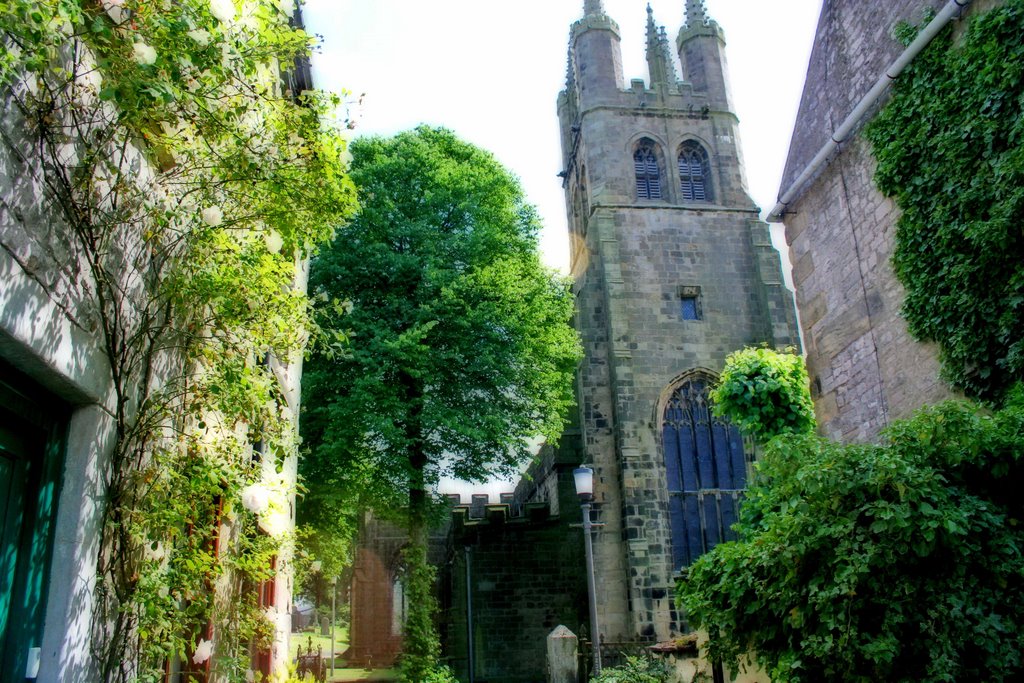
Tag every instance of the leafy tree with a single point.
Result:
(894, 562)
(765, 393)
(949, 153)
(461, 348)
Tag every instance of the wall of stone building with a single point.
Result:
(632, 259)
(637, 346)
(526, 577)
(865, 368)
(853, 45)
(50, 333)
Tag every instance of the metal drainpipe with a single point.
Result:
(469, 614)
(948, 13)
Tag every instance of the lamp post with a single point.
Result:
(584, 478)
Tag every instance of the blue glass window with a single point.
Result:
(690, 309)
(706, 469)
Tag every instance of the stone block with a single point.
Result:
(563, 662)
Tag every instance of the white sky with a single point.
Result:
(491, 70)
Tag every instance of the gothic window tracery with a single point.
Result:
(706, 470)
(694, 173)
(648, 173)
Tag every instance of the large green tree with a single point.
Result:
(447, 343)
(898, 562)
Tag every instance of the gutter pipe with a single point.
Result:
(951, 11)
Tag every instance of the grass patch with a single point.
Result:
(303, 639)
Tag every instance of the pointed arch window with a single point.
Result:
(648, 173)
(706, 467)
(694, 173)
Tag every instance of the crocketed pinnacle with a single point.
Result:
(659, 53)
(696, 15)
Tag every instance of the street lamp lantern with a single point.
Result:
(584, 479)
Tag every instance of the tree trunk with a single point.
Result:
(422, 646)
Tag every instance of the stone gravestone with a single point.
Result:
(325, 626)
(562, 659)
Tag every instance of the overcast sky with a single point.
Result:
(491, 70)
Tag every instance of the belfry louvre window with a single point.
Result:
(648, 175)
(694, 173)
(706, 469)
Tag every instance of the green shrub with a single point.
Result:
(897, 562)
(644, 669)
(440, 674)
(765, 393)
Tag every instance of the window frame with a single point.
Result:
(647, 172)
(694, 187)
(703, 503)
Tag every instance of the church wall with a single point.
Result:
(637, 344)
(634, 259)
(526, 577)
(866, 369)
(853, 46)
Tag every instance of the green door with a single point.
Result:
(31, 459)
(10, 523)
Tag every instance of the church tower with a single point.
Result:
(673, 271)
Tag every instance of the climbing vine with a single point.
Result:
(192, 182)
(949, 149)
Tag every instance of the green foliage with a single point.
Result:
(949, 149)
(460, 342)
(636, 670)
(322, 555)
(421, 647)
(188, 186)
(895, 562)
(765, 393)
(446, 345)
(440, 674)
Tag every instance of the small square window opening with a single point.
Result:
(690, 309)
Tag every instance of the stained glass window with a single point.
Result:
(706, 470)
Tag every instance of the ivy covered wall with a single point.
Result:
(950, 150)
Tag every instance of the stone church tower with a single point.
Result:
(674, 271)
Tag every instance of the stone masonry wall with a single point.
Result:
(866, 369)
(633, 259)
(526, 577)
(853, 45)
